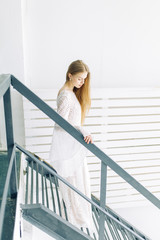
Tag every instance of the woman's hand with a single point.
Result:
(88, 139)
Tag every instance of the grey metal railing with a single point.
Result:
(43, 181)
(5, 82)
(113, 230)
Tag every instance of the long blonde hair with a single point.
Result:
(82, 93)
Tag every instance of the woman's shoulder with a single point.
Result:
(64, 95)
(65, 92)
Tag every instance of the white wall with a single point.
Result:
(132, 50)
(58, 32)
(11, 51)
(11, 61)
(119, 40)
(145, 218)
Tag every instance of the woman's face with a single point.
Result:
(78, 79)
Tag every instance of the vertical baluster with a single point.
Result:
(130, 236)
(102, 200)
(31, 200)
(88, 231)
(115, 229)
(110, 229)
(96, 214)
(51, 186)
(123, 233)
(122, 230)
(56, 186)
(65, 210)
(95, 218)
(94, 236)
(46, 190)
(37, 184)
(27, 176)
(105, 230)
(42, 183)
(106, 235)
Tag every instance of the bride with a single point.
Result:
(67, 155)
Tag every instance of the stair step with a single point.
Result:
(51, 223)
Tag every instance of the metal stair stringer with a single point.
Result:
(49, 222)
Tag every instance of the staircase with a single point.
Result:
(43, 205)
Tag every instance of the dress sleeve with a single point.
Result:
(63, 109)
(84, 132)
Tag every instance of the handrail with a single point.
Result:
(21, 88)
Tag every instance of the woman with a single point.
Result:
(67, 155)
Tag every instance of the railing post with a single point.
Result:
(10, 140)
(102, 199)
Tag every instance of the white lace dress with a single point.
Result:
(67, 156)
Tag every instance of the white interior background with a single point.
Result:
(12, 62)
(119, 40)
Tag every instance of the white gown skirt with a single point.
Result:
(68, 157)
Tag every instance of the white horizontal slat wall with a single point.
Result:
(125, 124)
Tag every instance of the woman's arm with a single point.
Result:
(63, 109)
(86, 134)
